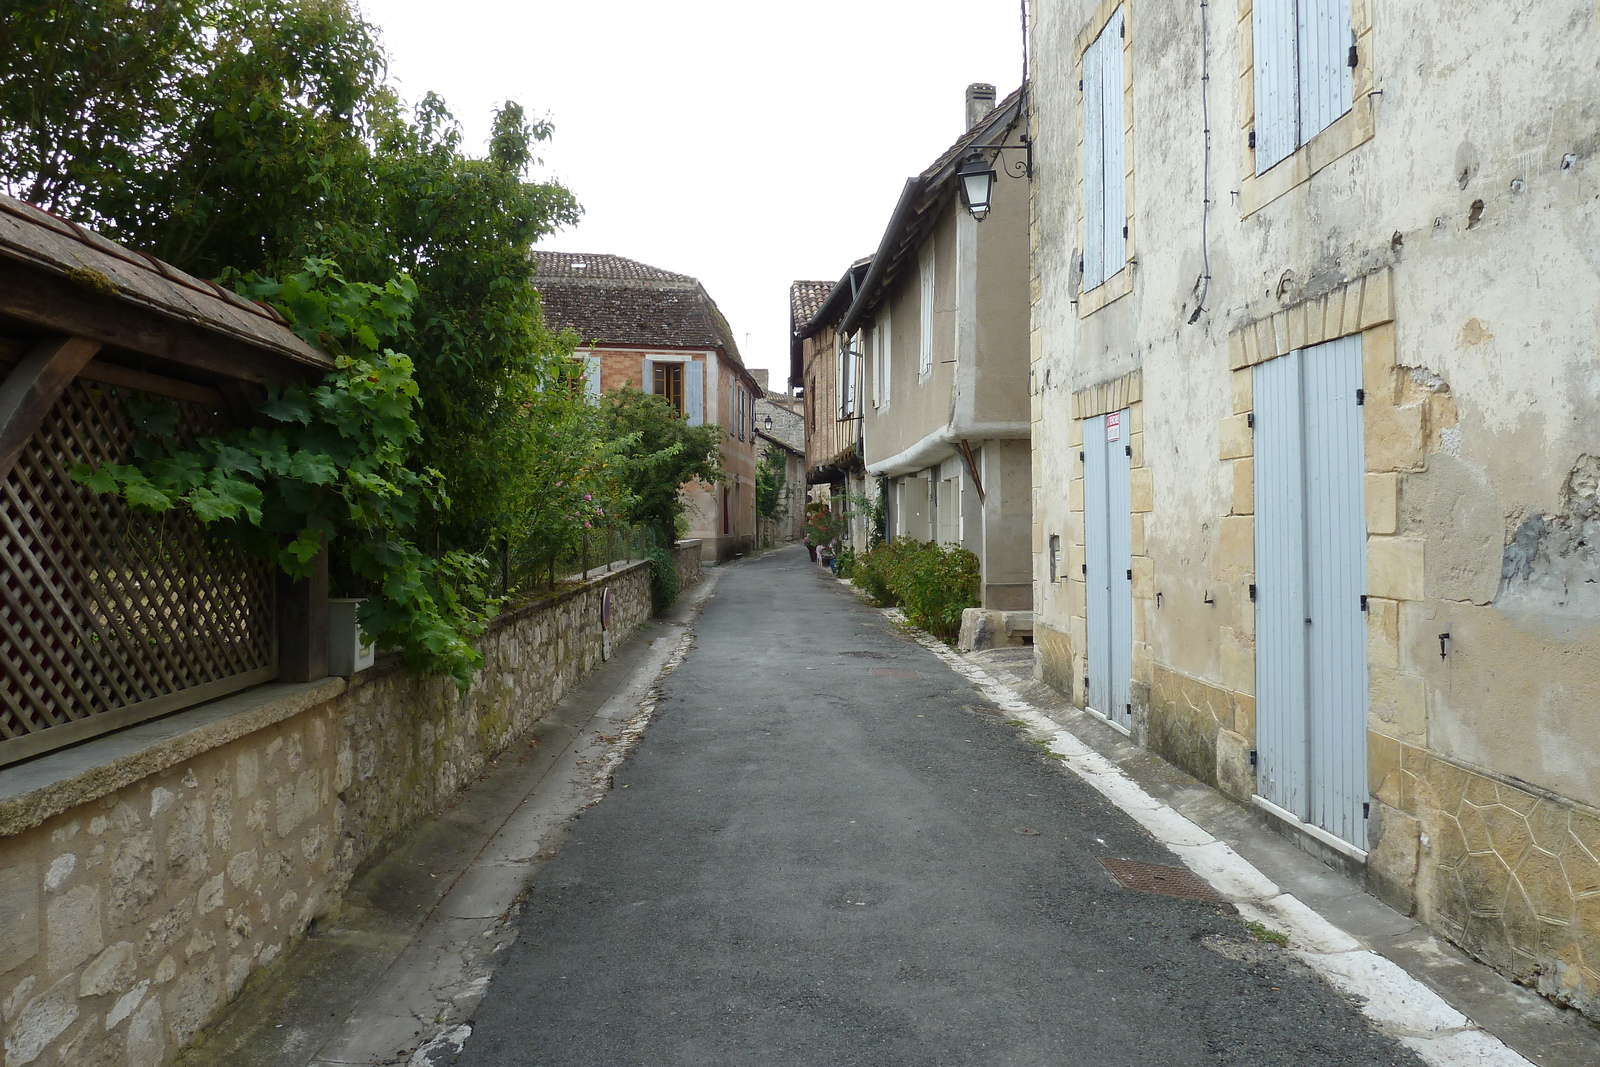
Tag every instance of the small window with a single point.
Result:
(1055, 557)
(669, 384)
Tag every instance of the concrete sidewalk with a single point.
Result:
(406, 960)
(1543, 1033)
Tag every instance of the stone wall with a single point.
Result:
(140, 892)
(686, 554)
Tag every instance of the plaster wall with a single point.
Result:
(1451, 220)
(919, 403)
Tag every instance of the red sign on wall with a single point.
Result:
(1114, 427)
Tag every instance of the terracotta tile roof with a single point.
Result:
(602, 267)
(610, 300)
(805, 300)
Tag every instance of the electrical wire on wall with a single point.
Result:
(1205, 170)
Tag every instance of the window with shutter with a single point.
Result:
(1302, 73)
(1105, 216)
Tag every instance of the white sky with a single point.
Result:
(746, 142)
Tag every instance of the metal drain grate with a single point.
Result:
(1154, 878)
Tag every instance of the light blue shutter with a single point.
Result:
(1275, 30)
(1336, 577)
(1114, 147)
(591, 378)
(649, 385)
(1119, 544)
(1280, 530)
(1094, 169)
(1097, 560)
(694, 392)
(1324, 55)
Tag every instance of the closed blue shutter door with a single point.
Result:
(1311, 566)
(1097, 559)
(1280, 585)
(1274, 31)
(694, 392)
(1094, 169)
(1114, 134)
(1336, 572)
(1119, 543)
(1324, 60)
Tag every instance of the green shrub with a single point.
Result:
(937, 584)
(844, 564)
(663, 577)
(932, 583)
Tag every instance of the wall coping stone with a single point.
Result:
(33, 791)
(559, 596)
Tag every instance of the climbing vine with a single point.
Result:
(327, 464)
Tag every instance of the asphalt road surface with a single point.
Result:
(828, 849)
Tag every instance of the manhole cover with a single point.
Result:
(868, 655)
(890, 672)
(1154, 878)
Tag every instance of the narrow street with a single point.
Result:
(829, 849)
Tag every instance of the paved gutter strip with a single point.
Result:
(1397, 1003)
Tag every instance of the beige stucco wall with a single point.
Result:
(1454, 211)
(141, 892)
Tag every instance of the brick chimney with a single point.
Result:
(980, 101)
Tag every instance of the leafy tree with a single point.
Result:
(771, 478)
(235, 137)
(87, 91)
(663, 453)
(574, 484)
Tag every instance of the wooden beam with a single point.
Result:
(51, 304)
(31, 389)
(303, 624)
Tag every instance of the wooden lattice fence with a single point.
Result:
(111, 616)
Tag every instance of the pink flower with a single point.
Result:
(586, 496)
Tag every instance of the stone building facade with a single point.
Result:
(1315, 434)
(660, 332)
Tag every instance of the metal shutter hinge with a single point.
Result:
(1366, 809)
(1124, 231)
(1252, 591)
(1252, 757)
(1130, 574)
(1250, 420)
(1363, 602)
(1251, 138)
(1086, 568)
(1127, 450)
(1361, 397)
(1354, 57)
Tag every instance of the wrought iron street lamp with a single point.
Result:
(977, 183)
